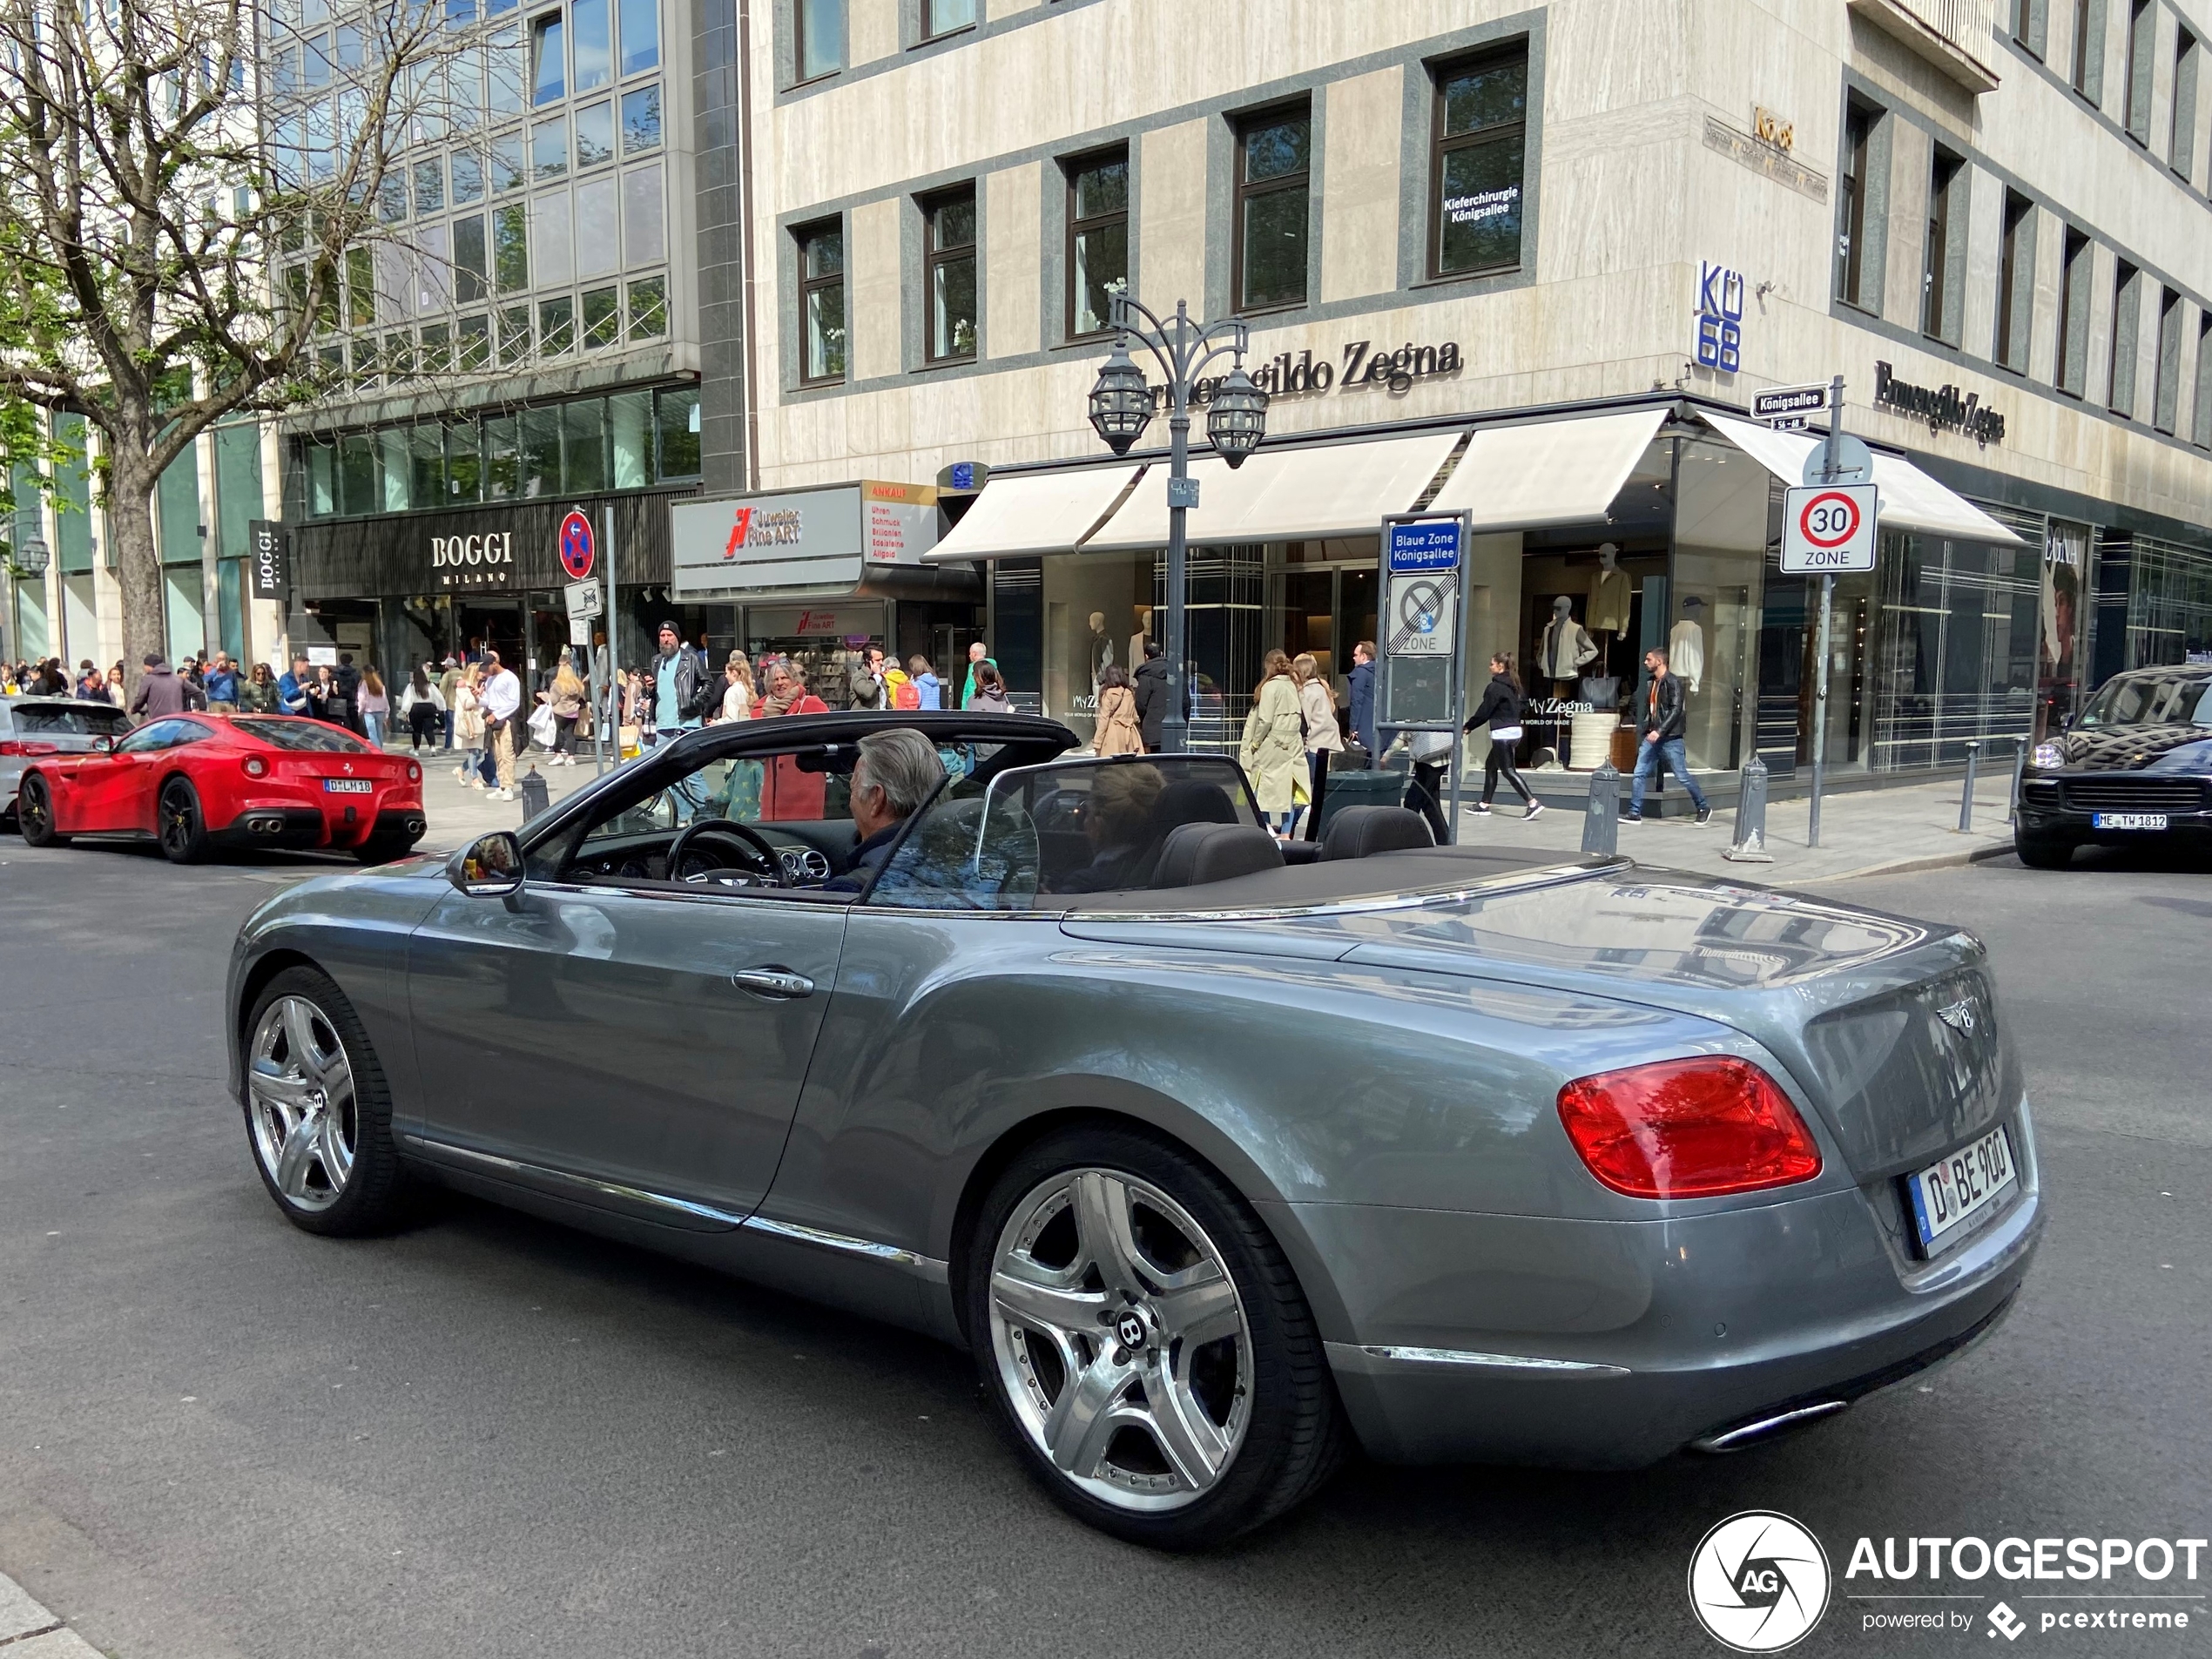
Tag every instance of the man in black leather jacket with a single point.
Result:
(1663, 716)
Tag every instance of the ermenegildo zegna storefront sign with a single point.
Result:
(501, 547)
(1943, 409)
(802, 538)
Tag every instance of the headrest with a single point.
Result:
(1197, 853)
(1191, 800)
(1355, 831)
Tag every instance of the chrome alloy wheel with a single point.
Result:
(305, 1119)
(1120, 1342)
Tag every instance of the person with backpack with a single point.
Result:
(900, 691)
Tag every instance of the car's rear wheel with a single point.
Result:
(35, 814)
(1146, 1342)
(180, 824)
(2043, 852)
(318, 1111)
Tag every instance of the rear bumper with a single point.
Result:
(1596, 1344)
(280, 824)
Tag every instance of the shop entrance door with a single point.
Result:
(492, 624)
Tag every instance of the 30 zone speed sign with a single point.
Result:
(1828, 528)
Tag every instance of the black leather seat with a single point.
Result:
(1195, 854)
(1356, 831)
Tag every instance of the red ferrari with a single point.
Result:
(195, 782)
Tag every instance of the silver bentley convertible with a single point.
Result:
(1218, 1155)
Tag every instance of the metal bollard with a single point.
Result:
(1967, 799)
(535, 796)
(1601, 819)
(1749, 845)
(2019, 765)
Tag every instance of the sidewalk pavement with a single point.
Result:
(1868, 831)
(457, 814)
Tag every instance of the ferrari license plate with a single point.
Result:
(348, 785)
(1965, 1183)
(2128, 820)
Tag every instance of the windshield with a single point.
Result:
(308, 737)
(78, 720)
(2152, 699)
(1075, 826)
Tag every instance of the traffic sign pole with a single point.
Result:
(1828, 470)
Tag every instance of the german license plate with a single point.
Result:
(1963, 1185)
(2128, 820)
(348, 785)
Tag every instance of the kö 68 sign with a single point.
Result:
(1720, 317)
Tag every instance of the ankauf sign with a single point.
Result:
(808, 538)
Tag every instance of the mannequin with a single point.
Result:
(1563, 647)
(1101, 649)
(1686, 642)
(1609, 593)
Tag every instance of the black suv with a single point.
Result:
(2136, 765)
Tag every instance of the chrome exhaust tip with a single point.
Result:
(1747, 1435)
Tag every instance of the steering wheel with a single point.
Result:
(751, 845)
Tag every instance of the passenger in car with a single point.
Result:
(1119, 821)
(897, 771)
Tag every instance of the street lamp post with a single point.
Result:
(1120, 407)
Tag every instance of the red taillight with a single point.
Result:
(256, 767)
(1687, 1129)
(12, 747)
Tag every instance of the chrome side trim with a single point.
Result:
(1421, 898)
(925, 1267)
(1393, 1356)
(584, 1185)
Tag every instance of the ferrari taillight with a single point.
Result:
(414, 772)
(1687, 1129)
(256, 767)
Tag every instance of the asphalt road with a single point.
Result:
(219, 1436)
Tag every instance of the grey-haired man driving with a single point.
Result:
(897, 771)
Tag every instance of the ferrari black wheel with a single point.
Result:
(180, 824)
(35, 814)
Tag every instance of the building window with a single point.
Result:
(471, 268)
(2075, 270)
(818, 46)
(549, 148)
(1274, 181)
(2016, 282)
(2143, 40)
(1477, 150)
(555, 325)
(648, 301)
(549, 59)
(821, 302)
(1851, 241)
(1945, 177)
(507, 172)
(429, 188)
(594, 135)
(2166, 395)
(641, 120)
(511, 249)
(2032, 24)
(945, 17)
(1097, 240)
(2127, 326)
(514, 335)
(2089, 50)
(468, 168)
(948, 257)
(2202, 424)
(602, 318)
(676, 413)
(2182, 148)
(640, 35)
(593, 49)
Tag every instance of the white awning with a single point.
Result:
(1041, 512)
(1910, 500)
(1548, 472)
(1280, 494)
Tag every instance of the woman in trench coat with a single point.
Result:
(1274, 747)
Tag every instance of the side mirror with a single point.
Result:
(488, 867)
(102, 745)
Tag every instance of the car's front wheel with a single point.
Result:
(2043, 852)
(179, 823)
(1146, 1343)
(318, 1111)
(35, 814)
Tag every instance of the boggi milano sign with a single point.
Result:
(482, 561)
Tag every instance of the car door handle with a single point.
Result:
(773, 981)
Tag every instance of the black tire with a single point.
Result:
(180, 825)
(377, 1191)
(35, 814)
(1293, 1438)
(2043, 852)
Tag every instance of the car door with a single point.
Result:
(642, 1051)
(113, 792)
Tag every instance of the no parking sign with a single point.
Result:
(1827, 530)
(577, 548)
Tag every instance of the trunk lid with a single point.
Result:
(1888, 1025)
